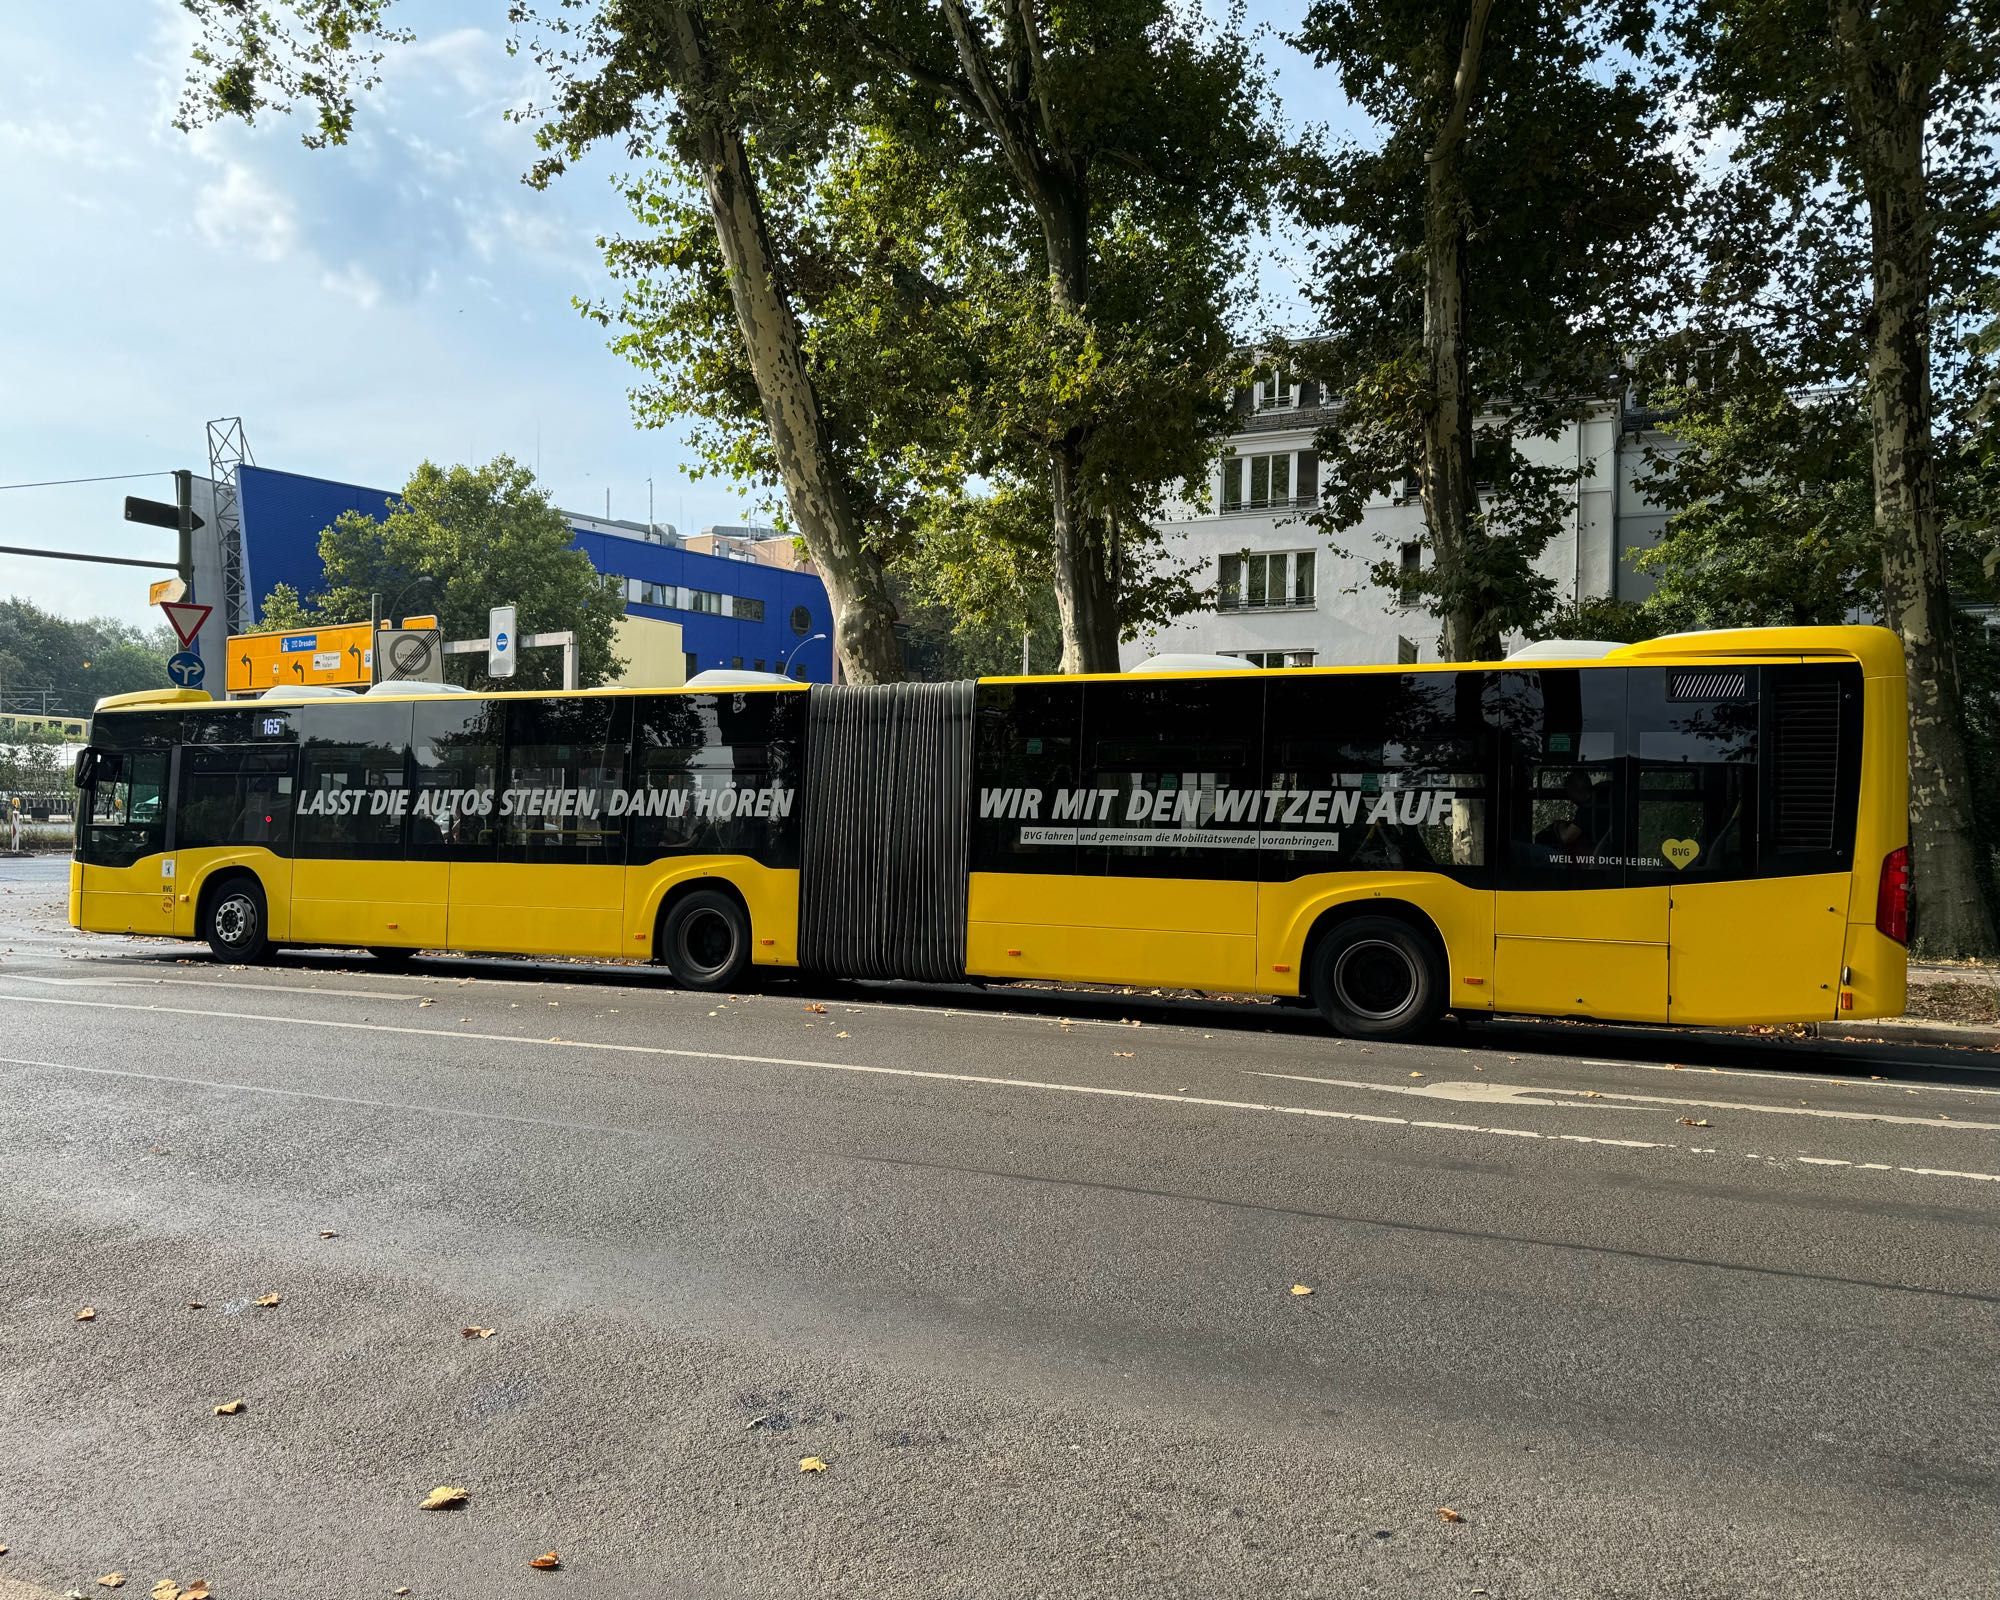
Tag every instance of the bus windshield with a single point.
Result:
(123, 814)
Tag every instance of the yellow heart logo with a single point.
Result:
(1680, 853)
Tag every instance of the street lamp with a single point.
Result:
(795, 649)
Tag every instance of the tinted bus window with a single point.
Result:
(352, 795)
(1026, 746)
(717, 774)
(565, 781)
(455, 762)
(1693, 735)
(233, 795)
(1377, 771)
(1565, 791)
(1171, 781)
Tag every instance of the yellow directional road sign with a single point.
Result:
(336, 656)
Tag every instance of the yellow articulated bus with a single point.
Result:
(1708, 828)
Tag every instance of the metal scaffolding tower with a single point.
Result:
(228, 449)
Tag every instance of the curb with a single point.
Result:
(1963, 1036)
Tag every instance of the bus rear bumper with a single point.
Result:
(1874, 976)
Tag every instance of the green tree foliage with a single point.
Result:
(1771, 511)
(1853, 234)
(1012, 243)
(458, 541)
(1489, 253)
(78, 662)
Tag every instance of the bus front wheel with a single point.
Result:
(705, 940)
(234, 922)
(1378, 978)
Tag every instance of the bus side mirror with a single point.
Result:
(86, 765)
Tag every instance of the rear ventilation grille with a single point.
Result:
(1805, 764)
(1708, 684)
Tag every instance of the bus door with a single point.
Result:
(1747, 780)
(121, 838)
(541, 869)
(351, 881)
(1576, 933)
(1165, 891)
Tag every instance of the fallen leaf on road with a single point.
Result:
(404, 1590)
(816, 1008)
(112, 1580)
(198, 1590)
(1301, 1288)
(1694, 1122)
(1127, 1054)
(266, 1300)
(444, 1497)
(87, 1314)
(477, 1333)
(426, 1001)
(1446, 1514)
(842, 1034)
(197, 1305)
(3, 1549)
(547, 1561)
(811, 1464)
(1416, 1074)
(229, 1408)
(166, 1589)
(1592, 1094)
(329, 1233)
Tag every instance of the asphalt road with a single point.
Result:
(1652, 1316)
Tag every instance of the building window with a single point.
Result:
(1412, 566)
(1275, 658)
(1266, 580)
(802, 621)
(640, 592)
(1274, 390)
(1282, 479)
(759, 663)
(703, 600)
(744, 609)
(736, 662)
(1406, 651)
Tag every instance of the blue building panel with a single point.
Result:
(762, 617)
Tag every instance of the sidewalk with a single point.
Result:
(1954, 1003)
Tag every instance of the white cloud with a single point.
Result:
(240, 212)
(355, 283)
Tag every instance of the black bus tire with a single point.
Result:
(234, 920)
(1378, 978)
(705, 940)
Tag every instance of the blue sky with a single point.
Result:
(361, 308)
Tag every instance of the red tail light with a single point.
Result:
(1892, 896)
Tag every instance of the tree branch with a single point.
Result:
(1465, 86)
(902, 61)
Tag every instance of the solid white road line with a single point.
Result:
(1099, 1091)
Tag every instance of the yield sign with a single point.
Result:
(187, 618)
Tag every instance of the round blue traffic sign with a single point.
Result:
(186, 669)
(500, 642)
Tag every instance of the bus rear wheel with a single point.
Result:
(233, 920)
(705, 940)
(1378, 978)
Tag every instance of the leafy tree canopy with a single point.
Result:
(78, 662)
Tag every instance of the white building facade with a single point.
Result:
(1282, 593)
